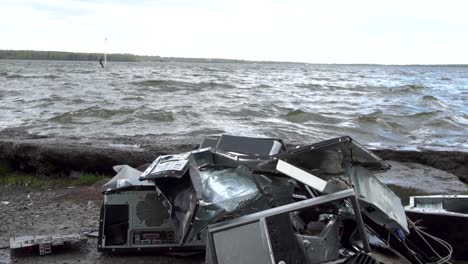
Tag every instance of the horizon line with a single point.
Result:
(243, 60)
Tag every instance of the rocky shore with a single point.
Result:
(63, 156)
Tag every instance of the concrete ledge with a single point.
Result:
(455, 162)
(59, 155)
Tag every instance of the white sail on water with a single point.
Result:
(105, 51)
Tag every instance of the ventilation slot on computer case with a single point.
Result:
(151, 210)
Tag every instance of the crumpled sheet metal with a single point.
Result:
(224, 189)
(126, 177)
(377, 201)
(212, 189)
(232, 192)
(202, 194)
(220, 192)
(176, 165)
(167, 166)
(327, 157)
(322, 158)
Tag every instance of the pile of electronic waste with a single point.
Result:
(252, 200)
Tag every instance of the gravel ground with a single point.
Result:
(61, 211)
(24, 211)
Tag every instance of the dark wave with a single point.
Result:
(156, 83)
(244, 113)
(310, 86)
(215, 85)
(331, 87)
(404, 73)
(205, 132)
(422, 115)
(95, 114)
(430, 98)
(409, 88)
(394, 121)
(209, 69)
(372, 117)
(433, 102)
(299, 116)
(134, 98)
(262, 86)
(78, 101)
(70, 84)
(183, 134)
(84, 72)
(170, 85)
(148, 114)
(15, 76)
(50, 76)
(19, 76)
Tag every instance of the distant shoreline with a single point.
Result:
(126, 57)
(116, 57)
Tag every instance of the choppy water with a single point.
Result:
(396, 106)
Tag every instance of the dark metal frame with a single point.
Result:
(261, 218)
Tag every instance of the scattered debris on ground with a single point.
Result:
(45, 244)
(236, 200)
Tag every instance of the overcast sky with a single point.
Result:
(316, 31)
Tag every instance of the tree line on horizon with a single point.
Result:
(72, 56)
(78, 56)
(126, 57)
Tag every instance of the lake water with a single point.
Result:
(389, 106)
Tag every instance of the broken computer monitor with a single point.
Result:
(267, 241)
(245, 145)
(275, 235)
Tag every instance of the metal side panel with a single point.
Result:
(377, 201)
